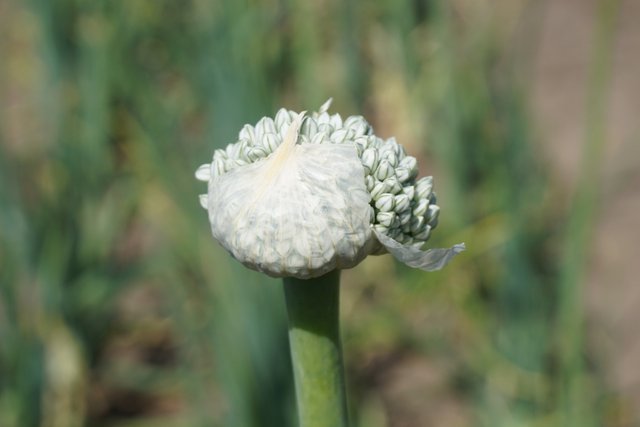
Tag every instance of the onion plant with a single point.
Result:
(303, 197)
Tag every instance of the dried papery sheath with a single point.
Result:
(299, 196)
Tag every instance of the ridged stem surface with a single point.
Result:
(314, 335)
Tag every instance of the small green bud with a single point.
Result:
(393, 184)
(381, 228)
(242, 150)
(401, 203)
(258, 131)
(378, 189)
(325, 127)
(403, 174)
(390, 156)
(397, 148)
(372, 141)
(432, 212)
(319, 138)
(370, 182)
(409, 190)
(323, 118)
(218, 167)
(282, 119)
(409, 162)
(204, 172)
(271, 141)
(424, 187)
(370, 160)
(303, 139)
(416, 224)
(232, 150)
(256, 153)
(292, 117)
(386, 218)
(424, 234)
(339, 136)
(229, 164)
(219, 154)
(358, 124)
(405, 220)
(336, 121)
(247, 133)
(432, 215)
(385, 170)
(269, 126)
(385, 203)
(396, 234)
(372, 215)
(309, 127)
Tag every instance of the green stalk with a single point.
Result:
(314, 334)
(575, 402)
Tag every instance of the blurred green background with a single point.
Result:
(117, 308)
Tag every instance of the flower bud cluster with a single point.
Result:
(402, 206)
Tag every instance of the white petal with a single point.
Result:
(429, 260)
(204, 172)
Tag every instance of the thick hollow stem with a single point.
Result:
(314, 335)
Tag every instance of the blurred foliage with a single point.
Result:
(118, 309)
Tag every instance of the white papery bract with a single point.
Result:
(300, 196)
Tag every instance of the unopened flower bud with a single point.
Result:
(339, 136)
(424, 234)
(219, 167)
(319, 138)
(270, 142)
(358, 124)
(385, 170)
(309, 127)
(421, 208)
(256, 153)
(204, 172)
(405, 218)
(247, 133)
(370, 183)
(378, 189)
(282, 119)
(409, 162)
(386, 218)
(336, 121)
(390, 155)
(401, 203)
(403, 174)
(385, 203)
(409, 190)
(370, 160)
(424, 187)
(416, 224)
(393, 185)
